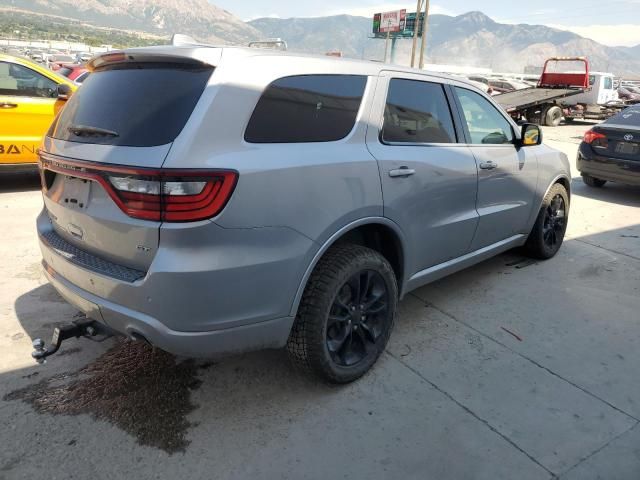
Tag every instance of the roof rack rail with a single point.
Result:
(275, 43)
(179, 39)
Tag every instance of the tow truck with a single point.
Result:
(561, 94)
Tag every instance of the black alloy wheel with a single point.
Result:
(346, 314)
(549, 229)
(554, 222)
(358, 318)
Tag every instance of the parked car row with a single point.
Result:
(498, 85)
(68, 65)
(629, 94)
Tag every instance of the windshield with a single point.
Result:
(145, 105)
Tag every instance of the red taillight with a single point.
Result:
(160, 195)
(596, 139)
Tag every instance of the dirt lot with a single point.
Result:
(511, 369)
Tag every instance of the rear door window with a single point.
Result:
(142, 105)
(417, 112)
(307, 108)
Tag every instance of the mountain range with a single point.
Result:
(198, 18)
(471, 39)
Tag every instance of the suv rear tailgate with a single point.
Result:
(123, 119)
(84, 215)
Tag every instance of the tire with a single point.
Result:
(553, 116)
(328, 335)
(593, 182)
(548, 232)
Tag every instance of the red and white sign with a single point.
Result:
(393, 21)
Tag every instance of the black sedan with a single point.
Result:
(610, 151)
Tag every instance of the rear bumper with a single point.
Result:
(263, 335)
(607, 168)
(226, 293)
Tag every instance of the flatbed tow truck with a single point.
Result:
(569, 95)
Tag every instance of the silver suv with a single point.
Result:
(219, 200)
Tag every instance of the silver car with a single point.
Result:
(219, 200)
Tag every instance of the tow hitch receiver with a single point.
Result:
(80, 328)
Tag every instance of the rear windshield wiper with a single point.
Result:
(87, 131)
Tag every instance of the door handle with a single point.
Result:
(488, 165)
(8, 105)
(402, 172)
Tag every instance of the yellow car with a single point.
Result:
(29, 101)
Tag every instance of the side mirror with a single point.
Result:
(64, 91)
(531, 135)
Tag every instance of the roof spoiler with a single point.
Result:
(120, 57)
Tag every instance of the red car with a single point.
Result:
(54, 62)
(73, 71)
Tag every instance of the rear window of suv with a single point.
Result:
(307, 108)
(138, 105)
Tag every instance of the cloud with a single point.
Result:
(613, 35)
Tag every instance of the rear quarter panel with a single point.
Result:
(313, 188)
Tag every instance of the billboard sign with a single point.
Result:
(407, 26)
(410, 24)
(377, 18)
(392, 21)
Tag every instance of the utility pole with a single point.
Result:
(424, 33)
(416, 29)
(386, 46)
(386, 42)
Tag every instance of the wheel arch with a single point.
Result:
(562, 180)
(378, 233)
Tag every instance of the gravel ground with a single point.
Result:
(510, 369)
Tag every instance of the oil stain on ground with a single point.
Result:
(142, 390)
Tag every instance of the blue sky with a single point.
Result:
(613, 22)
